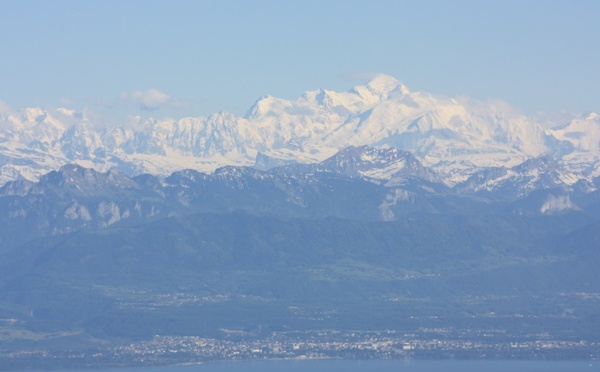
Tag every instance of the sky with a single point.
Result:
(191, 58)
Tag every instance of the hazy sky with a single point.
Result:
(181, 58)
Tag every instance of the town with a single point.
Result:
(434, 343)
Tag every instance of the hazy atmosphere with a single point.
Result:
(299, 185)
(191, 58)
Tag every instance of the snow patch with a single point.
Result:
(556, 204)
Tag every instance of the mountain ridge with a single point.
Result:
(358, 183)
(456, 137)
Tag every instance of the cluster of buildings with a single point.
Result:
(346, 344)
(427, 343)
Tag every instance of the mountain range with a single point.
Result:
(369, 238)
(358, 183)
(374, 209)
(454, 137)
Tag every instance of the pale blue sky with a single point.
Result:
(222, 55)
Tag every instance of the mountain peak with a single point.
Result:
(543, 162)
(381, 163)
(33, 115)
(72, 169)
(264, 105)
(85, 180)
(380, 88)
(384, 84)
(543, 172)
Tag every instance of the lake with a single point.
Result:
(375, 366)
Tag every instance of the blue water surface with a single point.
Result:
(375, 366)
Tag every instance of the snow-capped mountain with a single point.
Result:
(74, 198)
(364, 183)
(534, 174)
(453, 137)
(578, 143)
(384, 164)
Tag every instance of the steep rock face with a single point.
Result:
(578, 143)
(454, 137)
(533, 174)
(383, 164)
(265, 162)
(583, 132)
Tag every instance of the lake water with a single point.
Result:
(375, 366)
